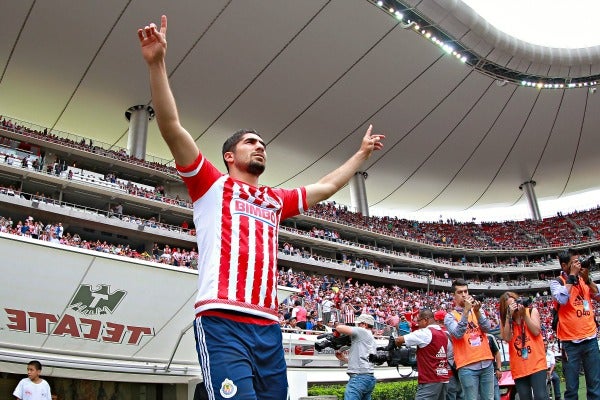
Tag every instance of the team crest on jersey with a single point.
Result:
(228, 389)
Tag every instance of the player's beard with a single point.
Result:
(256, 168)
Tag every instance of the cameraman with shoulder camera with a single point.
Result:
(520, 327)
(360, 369)
(572, 292)
(432, 360)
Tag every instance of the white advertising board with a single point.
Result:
(67, 301)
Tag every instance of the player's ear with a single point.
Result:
(228, 156)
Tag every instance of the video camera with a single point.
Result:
(395, 356)
(589, 263)
(332, 340)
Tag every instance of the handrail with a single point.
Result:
(124, 217)
(44, 133)
(183, 331)
(64, 175)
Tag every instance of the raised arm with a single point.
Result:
(532, 319)
(154, 48)
(336, 179)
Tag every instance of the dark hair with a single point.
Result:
(233, 140)
(565, 256)
(426, 313)
(458, 282)
(503, 307)
(35, 364)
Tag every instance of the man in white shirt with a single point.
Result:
(326, 307)
(432, 356)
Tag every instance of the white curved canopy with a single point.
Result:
(311, 76)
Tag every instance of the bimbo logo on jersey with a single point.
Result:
(254, 211)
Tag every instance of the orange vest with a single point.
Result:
(533, 346)
(574, 322)
(473, 346)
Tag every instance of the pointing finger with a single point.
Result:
(163, 24)
(368, 133)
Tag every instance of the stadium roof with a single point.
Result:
(469, 112)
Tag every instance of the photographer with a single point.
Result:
(467, 326)
(520, 326)
(432, 362)
(360, 369)
(572, 292)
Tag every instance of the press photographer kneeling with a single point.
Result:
(362, 345)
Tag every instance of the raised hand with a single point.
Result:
(468, 303)
(371, 142)
(153, 41)
(574, 267)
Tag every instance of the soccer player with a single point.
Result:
(238, 338)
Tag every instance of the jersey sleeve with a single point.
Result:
(199, 176)
(294, 201)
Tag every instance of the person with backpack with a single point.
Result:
(520, 327)
(573, 291)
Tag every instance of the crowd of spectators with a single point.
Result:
(55, 233)
(361, 262)
(390, 306)
(115, 211)
(560, 230)
(351, 262)
(59, 168)
(47, 232)
(393, 307)
(83, 144)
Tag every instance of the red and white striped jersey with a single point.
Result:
(236, 229)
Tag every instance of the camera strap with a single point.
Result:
(404, 376)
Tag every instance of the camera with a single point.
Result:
(589, 263)
(332, 340)
(479, 297)
(395, 356)
(524, 301)
(379, 358)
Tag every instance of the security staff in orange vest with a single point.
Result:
(520, 326)
(467, 326)
(573, 292)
